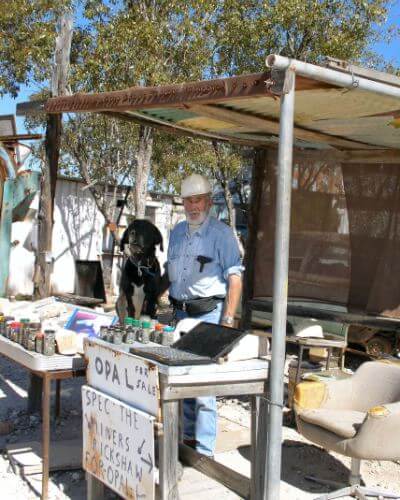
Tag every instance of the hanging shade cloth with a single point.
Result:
(345, 235)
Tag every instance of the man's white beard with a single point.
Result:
(198, 219)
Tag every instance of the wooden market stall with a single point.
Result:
(326, 168)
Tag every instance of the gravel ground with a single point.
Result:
(300, 458)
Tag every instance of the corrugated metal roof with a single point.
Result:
(245, 109)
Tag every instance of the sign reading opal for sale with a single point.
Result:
(129, 378)
(118, 445)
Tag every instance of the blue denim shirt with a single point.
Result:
(213, 239)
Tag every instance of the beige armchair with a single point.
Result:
(358, 417)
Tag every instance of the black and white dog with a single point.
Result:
(140, 278)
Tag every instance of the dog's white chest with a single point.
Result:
(138, 299)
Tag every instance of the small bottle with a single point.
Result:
(168, 335)
(15, 331)
(137, 325)
(31, 333)
(23, 339)
(110, 333)
(103, 333)
(39, 342)
(117, 336)
(2, 325)
(158, 329)
(49, 343)
(33, 329)
(9, 320)
(146, 327)
(129, 337)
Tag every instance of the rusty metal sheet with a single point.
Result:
(153, 97)
(118, 445)
(129, 378)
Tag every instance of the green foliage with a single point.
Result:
(122, 43)
(27, 35)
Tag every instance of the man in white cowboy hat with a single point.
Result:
(204, 270)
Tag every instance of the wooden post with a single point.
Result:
(94, 488)
(168, 449)
(52, 146)
(44, 260)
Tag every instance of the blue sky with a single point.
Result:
(390, 53)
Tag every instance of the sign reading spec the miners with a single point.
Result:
(118, 445)
(129, 378)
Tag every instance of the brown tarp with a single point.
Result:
(345, 235)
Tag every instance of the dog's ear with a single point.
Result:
(158, 239)
(124, 240)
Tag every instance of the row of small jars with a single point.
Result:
(135, 330)
(28, 334)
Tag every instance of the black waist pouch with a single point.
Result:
(197, 306)
(201, 306)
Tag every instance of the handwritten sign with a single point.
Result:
(122, 375)
(118, 445)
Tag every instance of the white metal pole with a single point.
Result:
(284, 187)
(327, 75)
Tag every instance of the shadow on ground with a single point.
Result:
(301, 459)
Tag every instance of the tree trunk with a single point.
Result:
(144, 154)
(223, 179)
(229, 204)
(43, 265)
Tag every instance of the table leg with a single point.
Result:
(94, 488)
(342, 353)
(34, 393)
(168, 450)
(58, 399)
(255, 405)
(328, 358)
(260, 482)
(45, 435)
(299, 361)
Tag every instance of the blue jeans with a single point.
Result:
(200, 414)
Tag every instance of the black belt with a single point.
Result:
(199, 305)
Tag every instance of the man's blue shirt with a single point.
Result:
(214, 240)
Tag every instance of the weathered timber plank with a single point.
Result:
(191, 391)
(169, 451)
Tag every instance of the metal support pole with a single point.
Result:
(284, 186)
(321, 74)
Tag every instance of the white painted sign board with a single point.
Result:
(118, 445)
(127, 377)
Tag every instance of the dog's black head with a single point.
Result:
(140, 240)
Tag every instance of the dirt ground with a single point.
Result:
(300, 458)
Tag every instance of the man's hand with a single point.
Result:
(232, 299)
(227, 321)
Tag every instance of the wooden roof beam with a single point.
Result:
(366, 156)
